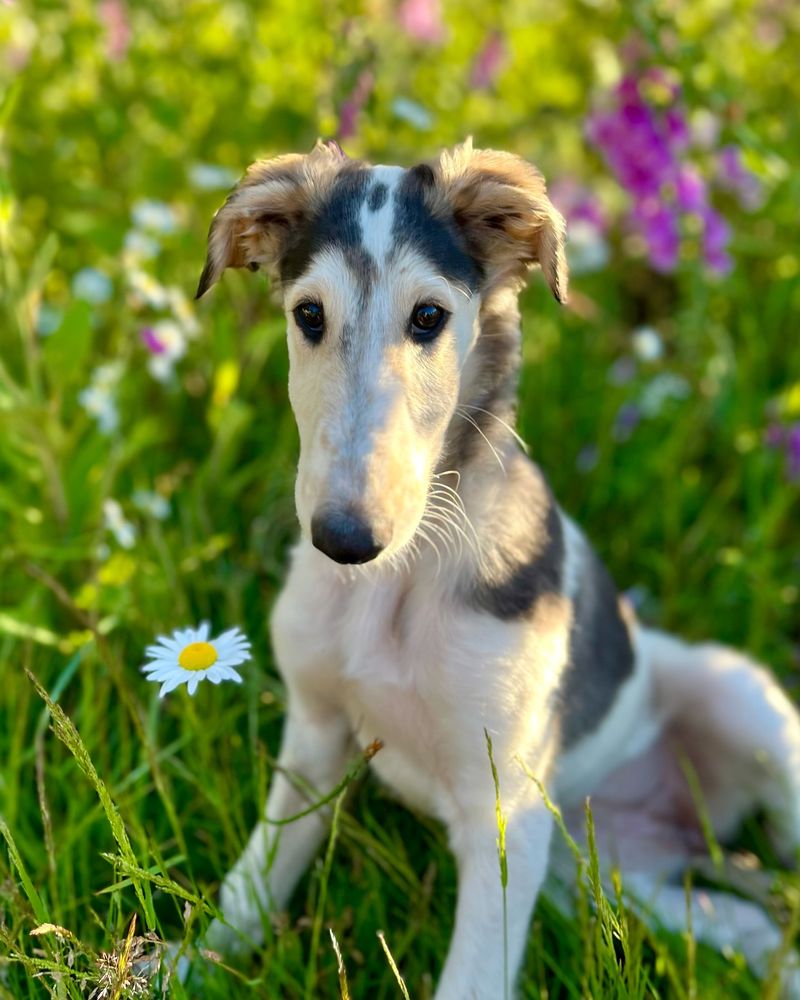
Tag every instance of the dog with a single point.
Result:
(439, 593)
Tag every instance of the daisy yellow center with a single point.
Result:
(197, 656)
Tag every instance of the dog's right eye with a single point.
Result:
(310, 317)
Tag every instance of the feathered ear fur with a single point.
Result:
(251, 228)
(500, 202)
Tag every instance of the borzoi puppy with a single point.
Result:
(438, 590)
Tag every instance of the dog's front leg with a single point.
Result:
(481, 953)
(314, 752)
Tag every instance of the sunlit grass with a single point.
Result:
(120, 813)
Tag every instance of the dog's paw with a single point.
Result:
(226, 940)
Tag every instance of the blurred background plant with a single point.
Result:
(147, 450)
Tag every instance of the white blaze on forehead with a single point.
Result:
(377, 224)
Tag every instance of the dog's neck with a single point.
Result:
(486, 412)
(506, 515)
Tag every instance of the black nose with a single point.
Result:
(344, 536)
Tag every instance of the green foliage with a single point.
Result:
(140, 806)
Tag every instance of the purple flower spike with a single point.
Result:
(786, 438)
(793, 453)
(626, 421)
(658, 225)
(775, 436)
(489, 61)
(352, 107)
(690, 189)
(643, 135)
(151, 341)
(734, 176)
(716, 236)
(677, 128)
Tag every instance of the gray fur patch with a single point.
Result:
(377, 197)
(364, 269)
(436, 237)
(601, 657)
(335, 223)
(514, 589)
(491, 395)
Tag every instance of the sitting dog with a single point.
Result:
(438, 590)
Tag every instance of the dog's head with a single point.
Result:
(382, 272)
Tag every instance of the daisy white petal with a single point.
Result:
(160, 671)
(232, 633)
(169, 642)
(234, 660)
(229, 674)
(162, 651)
(169, 685)
(230, 649)
(161, 658)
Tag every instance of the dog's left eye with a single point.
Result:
(427, 321)
(310, 317)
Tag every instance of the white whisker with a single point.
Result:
(474, 423)
(508, 427)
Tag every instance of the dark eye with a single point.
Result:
(310, 317)
(427, 322)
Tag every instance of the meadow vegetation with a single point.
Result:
(147, 449)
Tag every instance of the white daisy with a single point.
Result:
(189, 656)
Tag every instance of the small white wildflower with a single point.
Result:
(170, 336)
(211, 177)
(139, 246)
(413, 113)
(152, 504)
(146, 291)
(188, 656)
(659, 390)
(92, 285)
(48, 320)
(172, 347)
(100, 404)
(182, 311)
(587, 249)
(647, 343)
(161, 367)
(155, 216)
(107, 375)
(98, 397)
(705, 127)
(116, 522)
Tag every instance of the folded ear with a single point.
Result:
(271, 200)
(500, 202)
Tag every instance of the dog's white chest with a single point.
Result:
(405, 670)
(384, 655)
(394, 667)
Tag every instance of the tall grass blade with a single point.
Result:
(65, 730)
(501, 853)
(393, 966)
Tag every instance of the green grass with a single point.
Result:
(115, 804)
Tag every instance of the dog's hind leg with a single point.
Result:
(738, 730)
(314, 753)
